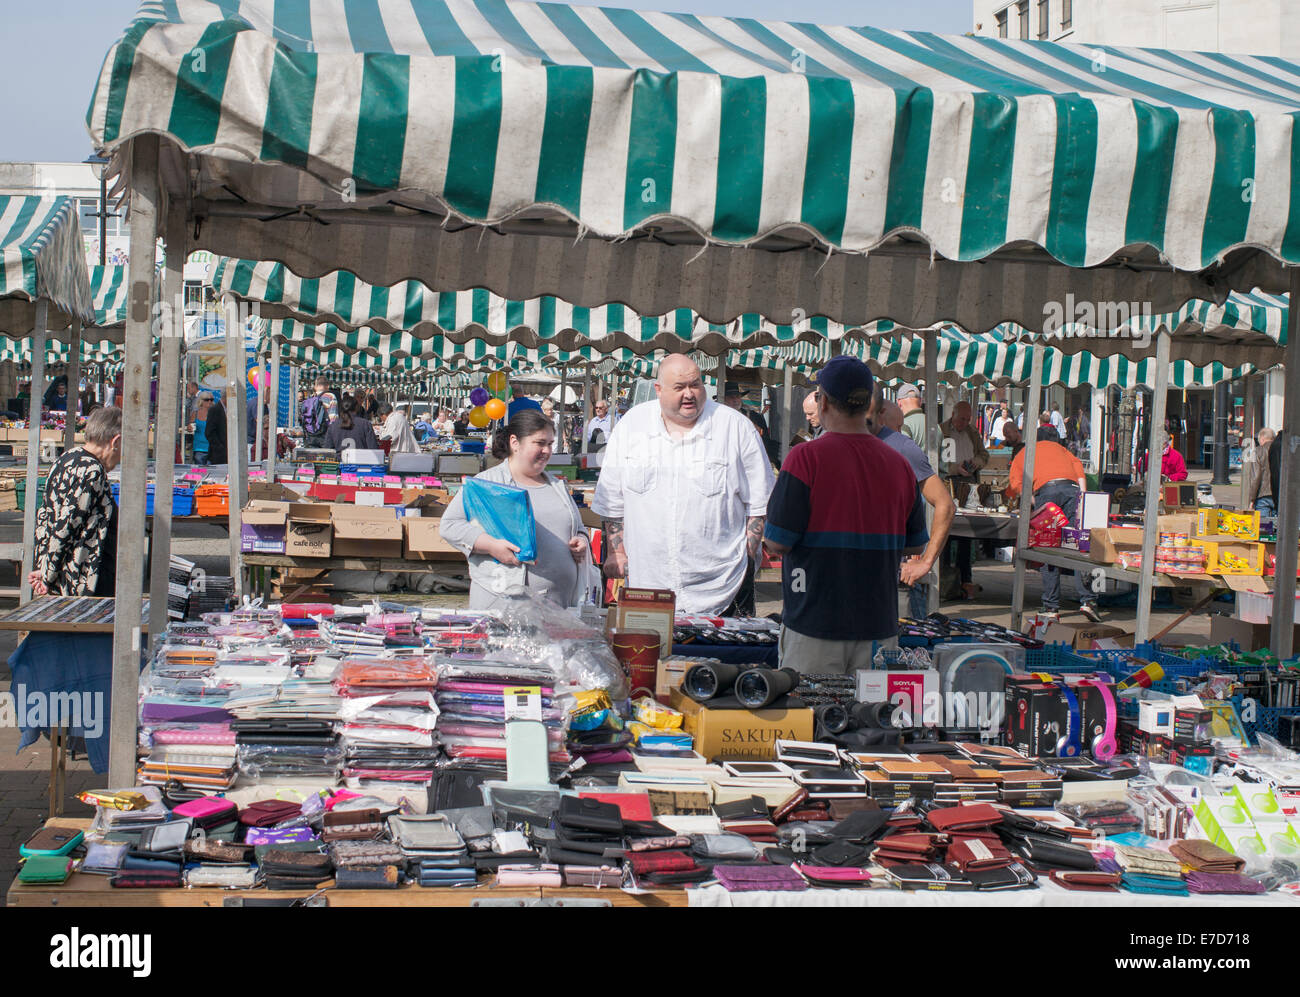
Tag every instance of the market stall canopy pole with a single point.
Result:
(1151, 515)
(934, 440)
(1120, 191)
(127, 636)
(1288, 519)
(1026, 490)
(73, 371)
(35, 396)
(172, 319)
(236, 441)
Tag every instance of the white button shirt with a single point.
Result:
(684, 502)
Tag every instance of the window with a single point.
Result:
(1043, 21)
(1067, 13)
(1024, 18)
(1002, 23)
(88, 209)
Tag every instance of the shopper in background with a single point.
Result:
(845, 510)
(548, 410)
(683, 490)
(962, 455)
(350, 430)
(519, 401)
(199, 427)
(885, 419)
(814, 427)
(1058, 421)
(561, 571)
(315, 416)
(75, 550)
(1058, 477)
(1260, 495)
(599, 429)
(397, 429)
(1172, 465)
(1000, 423)
(215, 430)
(461, 426)
(734, 398)
(910, 401)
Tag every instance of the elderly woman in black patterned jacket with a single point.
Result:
(76, 524)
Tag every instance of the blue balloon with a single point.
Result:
(479, 396)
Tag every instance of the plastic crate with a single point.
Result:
(1266, 718)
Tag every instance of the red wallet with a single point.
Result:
(964, 817)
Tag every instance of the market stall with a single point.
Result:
(600, 155)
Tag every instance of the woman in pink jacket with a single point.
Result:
(1172, 465)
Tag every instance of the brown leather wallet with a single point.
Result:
(207, 850)
(970, 854)
(789, 805)
(1094, 882)
(964, 817)
(352, 825)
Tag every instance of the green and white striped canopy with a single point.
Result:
(56, 352)
(41, 256)
(108, 294)
(449, 140)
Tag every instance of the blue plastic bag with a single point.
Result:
(504, 512)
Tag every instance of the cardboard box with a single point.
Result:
(1105, 545)
(741, 735)
(1233, 558)
(1079, 635)
(363, 531)
(1179, 495)
(267, 491)
(1249, 636)
(310, 531)
(670, 675)
(1076, 539)
(1217, 524)
(262, 527)
(645, 609)
(422, 540)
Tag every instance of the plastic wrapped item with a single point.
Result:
(360, 676)
(257, 761)
(504, 512)
(654, 714)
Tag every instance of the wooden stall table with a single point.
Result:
(1075, 561)
(324, 565)
(998, 526)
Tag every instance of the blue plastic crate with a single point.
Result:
(1266, 718)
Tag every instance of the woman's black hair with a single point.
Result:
(347, 409)
(523, 423)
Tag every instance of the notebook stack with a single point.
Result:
(388, 715)
(433, 845)
(209, 594)
(471, 704)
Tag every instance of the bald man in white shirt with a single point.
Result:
(683, 491)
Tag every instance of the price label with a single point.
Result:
(523, 702)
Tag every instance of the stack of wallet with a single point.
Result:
(433, 846)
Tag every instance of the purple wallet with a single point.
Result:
(277, 836)
(1223, 882)
(744, 878)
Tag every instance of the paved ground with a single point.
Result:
(24, 776)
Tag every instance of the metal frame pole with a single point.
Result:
(237, 446)
(273, 399)
(165, 426)
(37, 392)
(1151, 515)
(933, 438)
(1288, 508)
(127, 636)
(73, 370)
(1027, 484)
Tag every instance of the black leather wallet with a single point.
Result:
(755, 806)
(1012, 877)
(587, 814)
(380, 877)
(1051, 854)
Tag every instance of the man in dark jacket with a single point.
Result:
(215, 430)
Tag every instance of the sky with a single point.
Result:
(47, 83)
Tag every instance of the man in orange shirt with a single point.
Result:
(1058, 477)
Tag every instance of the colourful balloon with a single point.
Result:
(495, 408)
(252, 376)
(478, 397)
(496, 382)
(478, 417)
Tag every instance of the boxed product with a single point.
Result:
(310, 531)
(915, 693)
(262, 527)
(748, 735)
(1073, 538)
(1219, 524)
(1233, 558)
(645, 609)
(1105, 546)
(364, 531)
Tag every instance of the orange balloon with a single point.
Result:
(495, 408)
(478, 418)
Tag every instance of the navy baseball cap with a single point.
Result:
(847, 380)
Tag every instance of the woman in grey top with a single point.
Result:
(560, 572)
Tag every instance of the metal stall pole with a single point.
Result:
(237, 447)
(37, 392)
(787, 399)
(933, 440)
(1288, 508)
(73, 370)
(273, 397)
(1150, 518)
(586, 406)
(165, 428)
(127, 636)
(562, 442)
(258, 423)
(1027, 484)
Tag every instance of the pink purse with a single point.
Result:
(529, 875)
